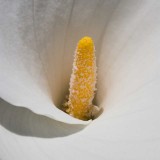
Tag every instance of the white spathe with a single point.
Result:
(37, 41)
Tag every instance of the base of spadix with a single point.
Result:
(92, 113)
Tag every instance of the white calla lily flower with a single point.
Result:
(37, 42)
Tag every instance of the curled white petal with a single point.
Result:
(129, 93)
(37, 43)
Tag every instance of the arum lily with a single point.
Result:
(37, 42)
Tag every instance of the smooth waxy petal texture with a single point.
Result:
(128, 91)
(38, 40)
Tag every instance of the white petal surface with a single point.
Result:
(37, 43)
(129, 89)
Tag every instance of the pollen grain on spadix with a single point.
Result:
(82, 81)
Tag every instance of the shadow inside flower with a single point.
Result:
(24, 122)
